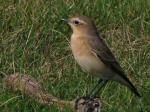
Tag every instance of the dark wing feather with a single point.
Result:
(106, 56)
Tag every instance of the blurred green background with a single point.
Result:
(34, 41)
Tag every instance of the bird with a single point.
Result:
(93, 55)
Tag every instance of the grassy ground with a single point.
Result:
(34, 41)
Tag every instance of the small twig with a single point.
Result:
(30, 87)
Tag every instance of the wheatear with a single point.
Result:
(93, 55)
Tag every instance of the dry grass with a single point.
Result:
(34, 41)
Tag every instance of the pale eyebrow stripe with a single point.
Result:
(82, 21)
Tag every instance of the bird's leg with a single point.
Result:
(97, 85)
(103, 83)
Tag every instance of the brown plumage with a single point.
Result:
(93, 55)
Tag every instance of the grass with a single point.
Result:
(34, 41)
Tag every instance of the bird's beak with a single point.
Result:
(66, 20)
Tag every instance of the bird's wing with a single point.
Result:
(105, 55)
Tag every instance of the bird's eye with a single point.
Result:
(76, 22)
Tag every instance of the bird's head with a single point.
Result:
(81, 24)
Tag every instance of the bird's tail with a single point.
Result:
(124, 80)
